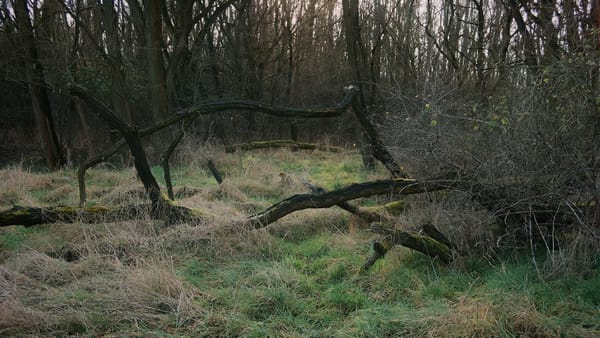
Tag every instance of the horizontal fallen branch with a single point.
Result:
(30, 216)
(281, 144)
(306, 201)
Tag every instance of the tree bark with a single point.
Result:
(37, 88)
(156, 67)
(364, 213)
(30, 216)
(359, 69)
(424, 244)
(380, 151)
(160, 205)
(115, 62)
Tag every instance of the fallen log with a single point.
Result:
(281, 144)
(305, 201)
(30, 216)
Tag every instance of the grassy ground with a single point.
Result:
(298, 278)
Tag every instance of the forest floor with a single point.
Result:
(299, 277)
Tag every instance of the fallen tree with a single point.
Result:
(162, 207)
(277, 211)
(188, 115)
(30, 216)
(364, 213)
(281, 144)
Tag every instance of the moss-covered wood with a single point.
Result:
(413, 240)
(281, 144)
(29, 216)
(380, 248)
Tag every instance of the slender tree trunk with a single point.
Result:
(359, 68)
(156, 68)
(119, 91)
(37, 89)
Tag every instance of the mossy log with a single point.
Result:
(413, 240)
(335, 197)
(281, 144)
(30, 216)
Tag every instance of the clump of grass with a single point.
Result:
(18, 185)
(43, 268)
(155, 288)
(467, 317)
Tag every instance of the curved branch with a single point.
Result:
(219, 106)
(354, 191)
(132, 137)
(165, 157)
(189, 114)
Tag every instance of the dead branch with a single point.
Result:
(281, 144)
(354, 191)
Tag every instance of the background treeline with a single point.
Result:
(486, 87)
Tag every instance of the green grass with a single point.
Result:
(315, 289)
(301, 278)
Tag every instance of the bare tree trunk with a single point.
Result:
(156, 68)
(37, 88)
(359, 67)
(119, 92)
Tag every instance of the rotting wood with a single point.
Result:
(281, 144)
(30, 216)
(434, 233)
(379, 250)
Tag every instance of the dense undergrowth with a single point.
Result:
(298, 277)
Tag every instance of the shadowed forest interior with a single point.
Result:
(300, 168)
